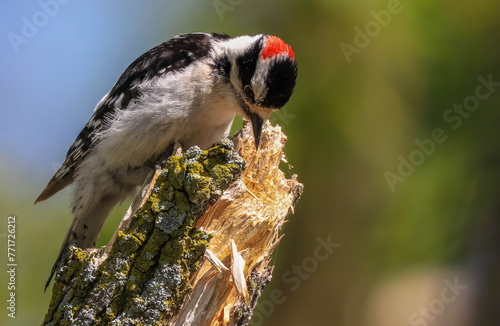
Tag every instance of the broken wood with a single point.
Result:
(194, 249)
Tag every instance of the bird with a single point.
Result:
(187, 91)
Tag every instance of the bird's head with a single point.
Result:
(263, 74)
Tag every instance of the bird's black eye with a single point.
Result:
(249, 93)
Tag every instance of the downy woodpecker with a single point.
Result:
(186, 90)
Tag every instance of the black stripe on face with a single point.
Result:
(280, 83)
(223, 67)
(246, 64)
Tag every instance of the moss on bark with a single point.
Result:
(146, 275)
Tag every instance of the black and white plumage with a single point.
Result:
(186, 90)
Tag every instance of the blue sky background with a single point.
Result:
(50, 87)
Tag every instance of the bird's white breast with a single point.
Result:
(182, 108)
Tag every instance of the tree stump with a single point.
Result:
(194, 248)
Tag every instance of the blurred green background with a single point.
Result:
(393, 130)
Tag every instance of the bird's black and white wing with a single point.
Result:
(166, 58)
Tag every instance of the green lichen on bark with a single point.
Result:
(146, 275)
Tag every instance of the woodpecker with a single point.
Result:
(186, 90)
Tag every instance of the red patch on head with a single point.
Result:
(274, 46)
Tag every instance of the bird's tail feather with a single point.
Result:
(85, 228)
(61, 251)
(58, 182)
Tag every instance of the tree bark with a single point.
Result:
(195, 246)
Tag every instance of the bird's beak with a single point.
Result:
(257, 124)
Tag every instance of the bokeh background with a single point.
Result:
(393, 129)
